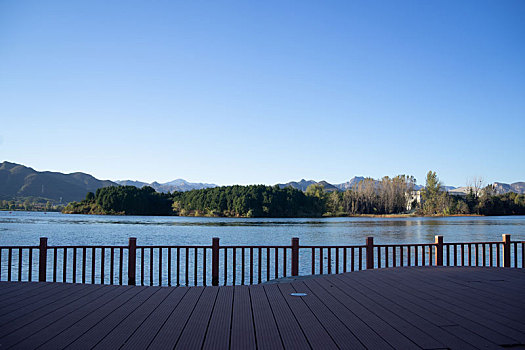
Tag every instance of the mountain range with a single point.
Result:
(179, 185)
(500, 188)
(18, 181)
(353, 182)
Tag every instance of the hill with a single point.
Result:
(298, 185)
(303, 185)
(18, 181)
(517, 187)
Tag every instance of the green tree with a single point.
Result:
(334, 203)
(472, 201)
(315, 190)
(434, 198)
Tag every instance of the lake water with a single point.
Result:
(25, 228)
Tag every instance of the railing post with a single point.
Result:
(295, 256)
(132, 261)
(42, 260)
(369, 252)
(438, 250)
(215, 261)
(506, 250)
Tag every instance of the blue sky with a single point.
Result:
(264, 92)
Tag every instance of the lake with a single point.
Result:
(25, 228)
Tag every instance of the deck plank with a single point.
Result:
(420, 318)
(340, 334)
(409, 330)
(23, 316)
(118, 336)
(61, 325)
(363, 332)
(396, 339)
(36, 325)
(93, 317)
(170, 331)
(99, 331)
(192, 336)
(487, 280)
(447, 297)
(22, 298)
(291, 333)
(218, 334)
(266, 332)
(453, 316)
(472, 335)
(242, 328)
(472, 295)
(10, 289)
(314, 331)
(147, 331)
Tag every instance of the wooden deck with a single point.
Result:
(399, 308)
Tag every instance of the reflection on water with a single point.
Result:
(163, 221)
(27, 227)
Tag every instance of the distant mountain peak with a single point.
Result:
(178, 185)
(501, 188)
(353, 182)
(303, 185)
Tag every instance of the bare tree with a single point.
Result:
(475, 184)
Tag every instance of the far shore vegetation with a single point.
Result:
(30, 204)
(388, 197)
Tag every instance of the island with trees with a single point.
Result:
(388, 196)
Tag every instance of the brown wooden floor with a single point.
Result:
(400, 308)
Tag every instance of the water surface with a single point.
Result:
(25, 228)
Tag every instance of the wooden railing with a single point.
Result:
(230, 265)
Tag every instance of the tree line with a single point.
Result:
(394, 195)
(369, 196)
(479, 200)
(29, 204)
(247, 201)
(122, 200)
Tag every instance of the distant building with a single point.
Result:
(416, 196)
(413, 197)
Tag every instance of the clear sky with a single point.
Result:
(264, 91)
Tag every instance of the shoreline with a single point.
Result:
(372, 216)
(407, 216)
(32, 211)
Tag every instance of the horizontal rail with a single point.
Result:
(333, 246)
(174, 246)
(493, 242)
(84, 246)
(215, 264)
(254, 246)
(403, 245)
(19, 247)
